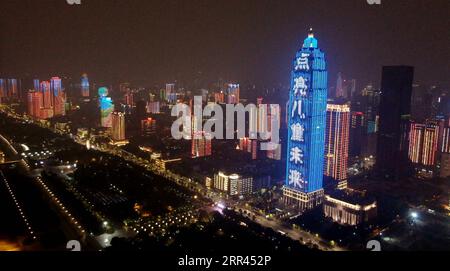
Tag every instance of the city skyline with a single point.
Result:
(300, 134)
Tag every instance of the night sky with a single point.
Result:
(247, 41)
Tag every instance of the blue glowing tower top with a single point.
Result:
(307, 117)
(310, 41)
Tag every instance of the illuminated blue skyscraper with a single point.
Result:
(306, 136)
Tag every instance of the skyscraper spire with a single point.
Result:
(310, 41)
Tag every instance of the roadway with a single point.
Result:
(71, 227)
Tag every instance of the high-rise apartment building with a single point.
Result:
(337, 141)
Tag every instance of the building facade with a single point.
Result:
(233, 93)
(59, 97)
(153, 107)
(201, 144)
(118, 126)
(2, 157)
(148, 126)
(445, 141)
(47, 95)
(395, 110)
(106, 107)
(348, 208)
(337, 141)
(85, 86)
(424, 143)
(2, 90)
(445, 165)
(9, 89)
(249, 145)
(234, 184)
(357, 133)
(34, 104)
(445, 152)
(306, 133)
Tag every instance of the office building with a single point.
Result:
(233, 184)
(350, 207)
(337, 141)
(307, 122)
(395, 109)
(357, 134)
